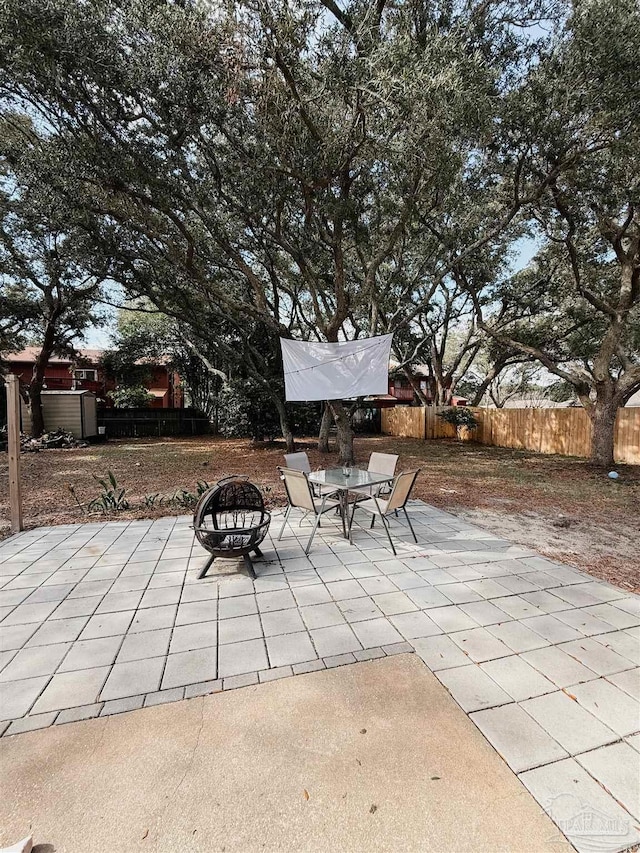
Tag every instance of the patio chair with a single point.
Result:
(300, 495)
(297, 462)
(300, 462)
(379, 463)
(397, 500)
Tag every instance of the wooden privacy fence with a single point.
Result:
(563, 431)
(145, 423)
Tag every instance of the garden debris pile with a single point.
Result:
(56, 439)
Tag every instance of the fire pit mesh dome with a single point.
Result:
(230, 520)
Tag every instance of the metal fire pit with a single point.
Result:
(230, 521)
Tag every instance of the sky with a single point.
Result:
(101, 337)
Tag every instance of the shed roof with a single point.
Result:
(77, 393)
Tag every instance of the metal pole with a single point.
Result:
(13, 437)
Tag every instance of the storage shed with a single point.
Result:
(74, 411)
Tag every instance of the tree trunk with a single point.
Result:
(344, 433)
(440, 397)
(484, 385)
(603, 421)
(37, 381)
(35, 403)
(285, 426)
(325, 426)
(415, 384)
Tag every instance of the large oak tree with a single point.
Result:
(275, 156)
(48, 293)
(325, 171)
(580, 296)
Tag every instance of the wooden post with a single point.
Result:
(13, 436)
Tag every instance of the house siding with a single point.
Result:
(60, 376)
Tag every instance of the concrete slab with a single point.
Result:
(440, 653)
(617, 768)
(615, 708)
(18, 696)
(130, 678)
(597, 657)
(629, 681)
(587, 814)
(558, 666)
(574, 728)
(190, 667)
(472, 689)
(517, 636)
(319, 762)
(517, 737)
(480, 645)
(519, 679)
(621, 643)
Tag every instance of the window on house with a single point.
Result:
(91, 375)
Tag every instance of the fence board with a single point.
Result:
(566, 432)
(146, 423)
(408, 421)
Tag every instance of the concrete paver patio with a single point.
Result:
(97, 619)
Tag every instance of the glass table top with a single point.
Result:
(356, 479)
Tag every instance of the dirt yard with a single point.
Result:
(561, 506)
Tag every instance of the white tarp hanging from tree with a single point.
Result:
(335, 371)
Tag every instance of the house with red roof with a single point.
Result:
(84, 372)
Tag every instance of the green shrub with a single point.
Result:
(131, 397)
(304, 418)
(246, 412)
(182, 498)
(111, 498)
(459, 416)
(152, 501)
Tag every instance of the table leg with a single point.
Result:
(343, 511)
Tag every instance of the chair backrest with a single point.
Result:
(383, 463)
(298, 488)
(297, 462)
(401, 490)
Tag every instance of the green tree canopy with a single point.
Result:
(274, 158)
(325, 172)
(49, 283)
(580, 297)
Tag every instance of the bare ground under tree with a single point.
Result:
(561, 506)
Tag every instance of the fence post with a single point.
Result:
(13, 440)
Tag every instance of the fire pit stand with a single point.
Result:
(230, 521)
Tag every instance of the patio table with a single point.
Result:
(344, 483)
